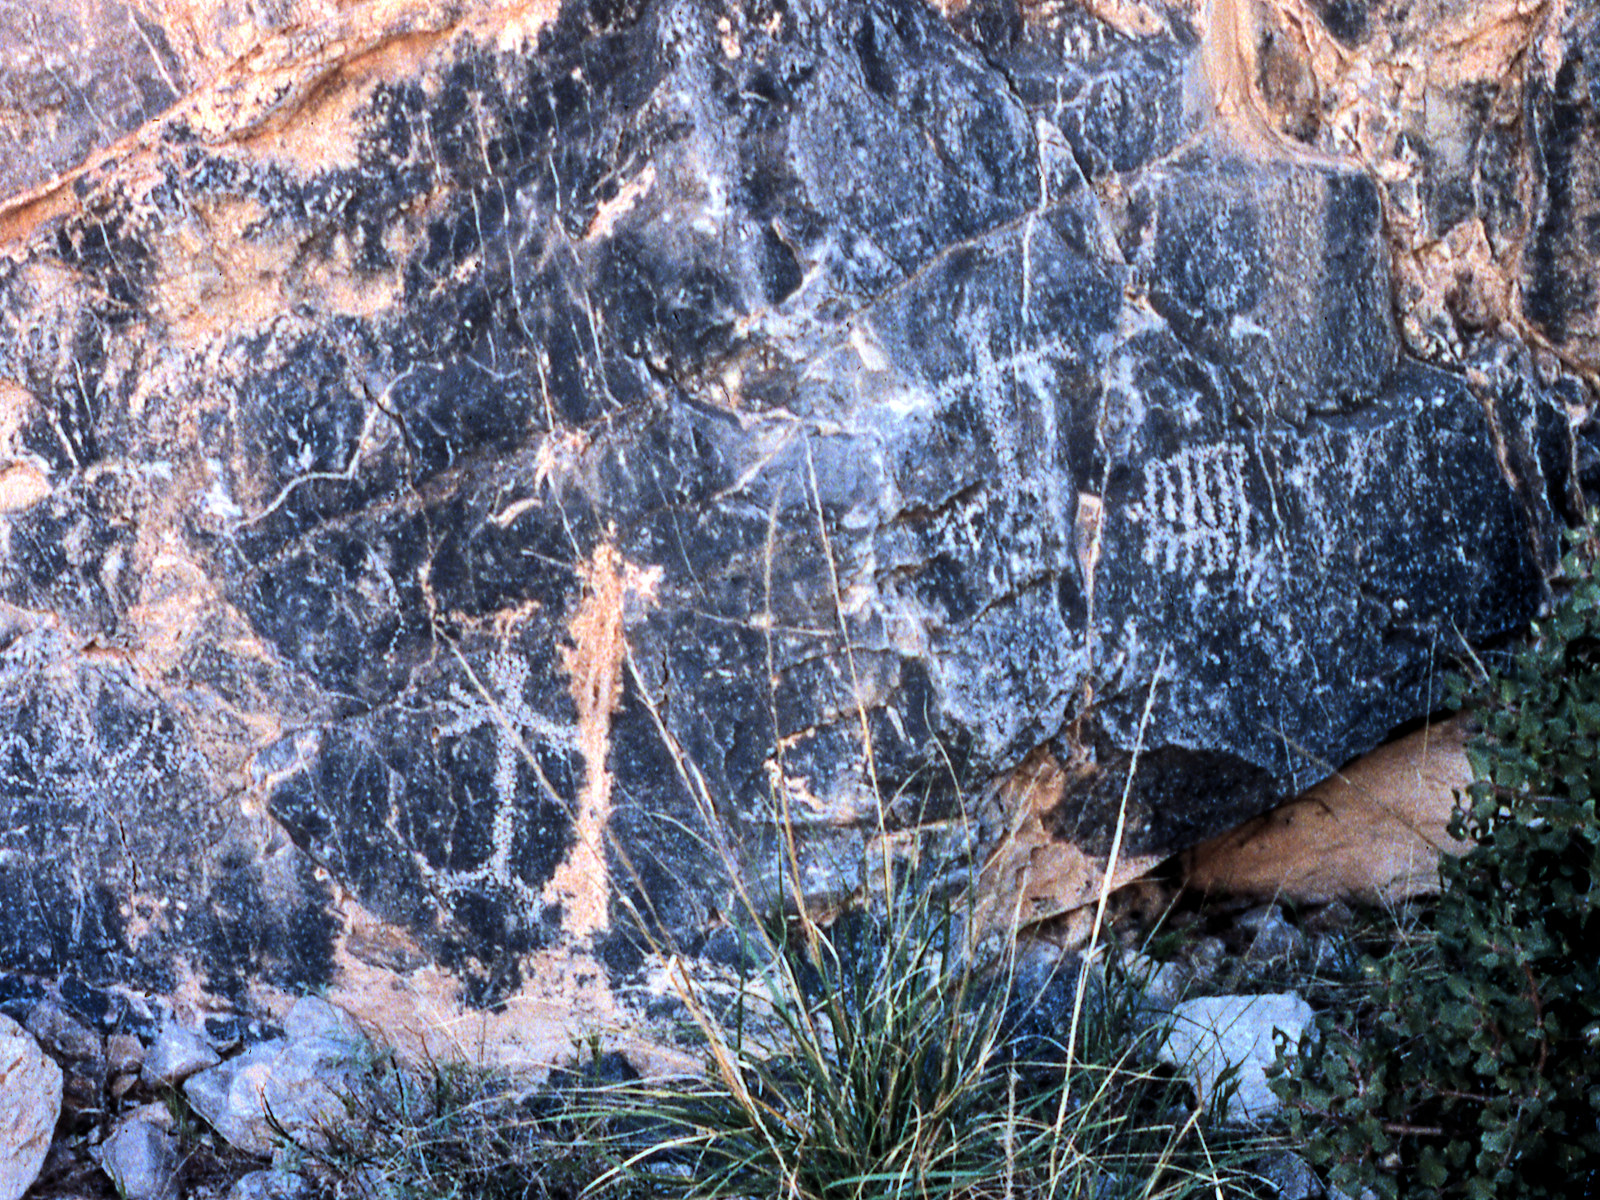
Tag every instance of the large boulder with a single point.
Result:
(474, 474)
(30, 1105)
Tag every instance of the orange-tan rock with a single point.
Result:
(1372, 832)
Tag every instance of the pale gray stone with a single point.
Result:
(230, 1097)
(176, 1054)
(1162, 984)
(1210, 1036)
(142, 1159)
(1274, 938)
(30, 1105)
(297, 1084)
(270, 1185)
(1207, 957)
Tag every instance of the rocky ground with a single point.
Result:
(154, 1107)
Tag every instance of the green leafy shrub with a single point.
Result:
(1473, 1068)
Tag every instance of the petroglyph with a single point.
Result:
(1196, 512)
(502, 706)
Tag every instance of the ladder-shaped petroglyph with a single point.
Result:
(1196, 512)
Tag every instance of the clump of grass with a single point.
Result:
(879, 1058)
(894, 1054)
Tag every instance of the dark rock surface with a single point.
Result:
(1560, 282)
(74, 77)
(455, 505)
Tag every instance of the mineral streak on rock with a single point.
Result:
(469, 476)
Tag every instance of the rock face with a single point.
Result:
(473, 473)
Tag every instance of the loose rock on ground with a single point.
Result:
(1226, 1043)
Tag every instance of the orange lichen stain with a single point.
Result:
(22, 485)
(144, 914)
(214, 271)
(728, 36)
(298, 95)
(320, 126)
(1454, 279)
(1229, 69)
(227, 268)
(595, 662)
(515, 26)
(340, 287)
(558, 460)
(288, 75)
(1031, 875)
(804, 806)
(1128, 17)
(207, 35)
(404, 1000)
(1228, 88)
(16, 405)
(190, 996)
(175, 598)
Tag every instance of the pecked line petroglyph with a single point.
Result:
(1196, 513)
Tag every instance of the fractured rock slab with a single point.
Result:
(469, 481)
(176, 1054)
(1373, 832)
(141, 1156)
(296, 1086)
